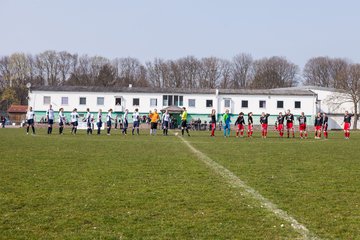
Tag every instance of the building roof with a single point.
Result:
(17, 109)
(286, 91)
(172, 109)
(311, 88)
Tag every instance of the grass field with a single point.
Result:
(146, 187)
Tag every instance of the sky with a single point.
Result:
(171, 29)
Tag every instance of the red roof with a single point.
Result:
(17, 109)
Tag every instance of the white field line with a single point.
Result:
(235, 181)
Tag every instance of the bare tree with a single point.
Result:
(210, 72)
(190, 69)
(67, 65)
(325, 72)
(242, 69)
(5, 71)
(274, 72)
(226, 68)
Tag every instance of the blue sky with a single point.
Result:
(170, 29)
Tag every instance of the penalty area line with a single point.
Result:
(235, 181)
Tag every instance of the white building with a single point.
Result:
(199, 102)
(332, 101)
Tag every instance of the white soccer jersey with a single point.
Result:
(88, 116)
(135, 116)
(99, 117)
(108, 117)
(61, 117)
(30, 115)
(74, 116)
(166, 117)
(50, 114)
(125, 115)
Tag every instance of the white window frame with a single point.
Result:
(80, 101)
(62, 101)
(227, 100)
(192, 99)
(151, 102)
(133, 102)
(247, 103)
(97, 101)
(47, 98)
(264, 104)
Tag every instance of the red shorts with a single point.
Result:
(250, 127)
(264, 126)
(346, 126)
(289, 125)
(302, 127)
(240, 127)
(280, 127)
(318, 128)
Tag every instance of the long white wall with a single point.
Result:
(200, 110)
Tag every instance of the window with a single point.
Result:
(227, 103)
(136, 101)
(47, 100)
(297, 104)
(262, 104)
(118, 101)
(165, 100)
(181, 101)
(153, 102)
(100, 101)
(244, 103)
(280, 104)
(191, 102)
(176, 100)
(209, 103)
(82, 101)
(64, 101)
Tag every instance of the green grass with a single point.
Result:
(145, 187)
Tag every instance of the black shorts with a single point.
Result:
(183, 123)
(30, 121)
(153, 125)
(51, 121)
(75, 124)
(108, 123)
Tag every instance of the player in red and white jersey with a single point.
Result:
(240, 124)
(347, 124)
(325, 125)
(280, 124)
(289, 117)
(302, 126)
(318, 125)
(264, 124)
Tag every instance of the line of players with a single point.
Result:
(320, 124)
(90, 120)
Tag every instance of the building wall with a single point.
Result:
(201, 110)
(334, 104)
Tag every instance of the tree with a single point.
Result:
(107, 76)
(8, 97)
(274, 72)
(325, 72)
(242, 68)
